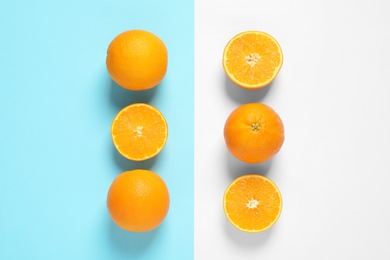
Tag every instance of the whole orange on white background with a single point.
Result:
(332, 94)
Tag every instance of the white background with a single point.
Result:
(333, 95)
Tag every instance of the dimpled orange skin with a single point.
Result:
(254, 133)
(137, 60)
(138, 200)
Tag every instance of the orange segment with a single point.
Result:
(139, 131)
(252, 59)
(252, 203)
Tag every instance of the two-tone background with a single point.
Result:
(57, 102)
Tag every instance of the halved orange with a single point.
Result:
(252, 59)
(252, 203)
(139, 131)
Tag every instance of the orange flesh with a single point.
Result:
(252, 203)
(252, 59)
(139, 132)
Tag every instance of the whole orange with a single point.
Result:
(254, 133)
(137, 60)
(138, 200)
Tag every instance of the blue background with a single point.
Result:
(57, 103)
